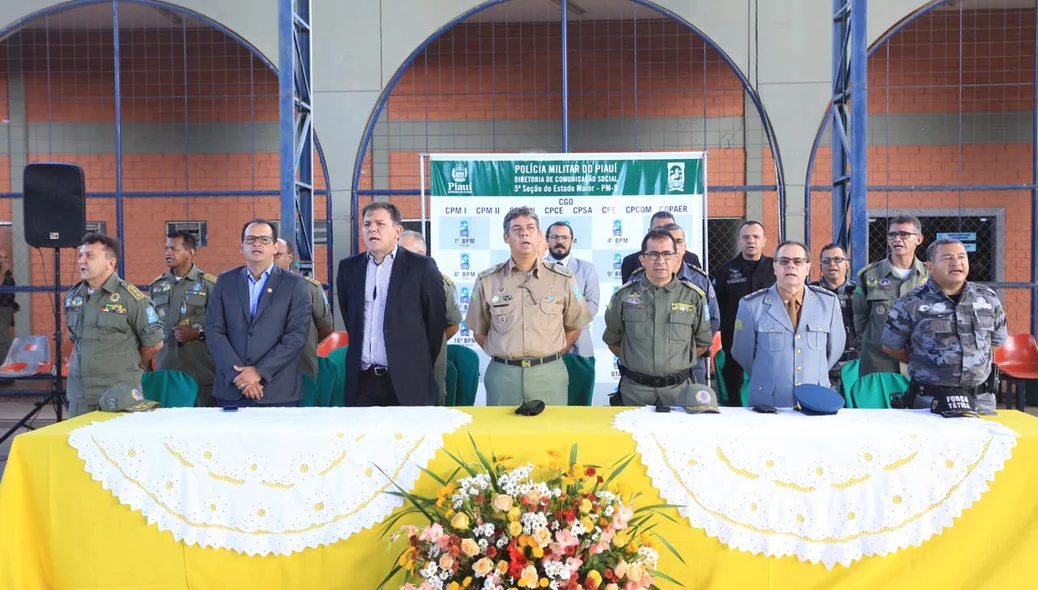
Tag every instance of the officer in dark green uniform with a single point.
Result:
(114, 327)
(181, 297)
(658, 325)
(321, 326)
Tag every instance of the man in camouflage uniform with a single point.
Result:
(946, 330)
(113, 326)
(880, 284)
(526, 313)
(321, 325)
(658, 325)
(415, 242)
(181, 298)
(835, 267)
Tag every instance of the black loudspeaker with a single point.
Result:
(54, 205)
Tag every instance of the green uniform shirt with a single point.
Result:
(450, 291)
(108, 329)
(322, 318)
(657, 329)
(879, 287)
(184, 303)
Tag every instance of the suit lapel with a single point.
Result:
(268, 290)
(242, 283)
(777, 309)
(396, 276)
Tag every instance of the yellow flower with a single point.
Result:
(502, 502)
(587, 524)
(460, 521)
(567, 481)
(482, 567)
(466, 582)
(449, 513)
(623, 490)
(538, 552)
(515, 513)
(502, 567)
(514, 528)
(585, 506)
(621, 539)
(407, 558)
(454, 586)
(576, 471)
(594, 575)
(543, 583)
(635, 571)
(542, 536)
(611, 587)
(469, 547)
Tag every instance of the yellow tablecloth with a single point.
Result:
(60, 529)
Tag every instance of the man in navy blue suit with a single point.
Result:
(256, 326)
(395, 311)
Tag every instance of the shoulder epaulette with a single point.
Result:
(820, 290)
(757, 293)
(447, 280)
(133, 290)
(157, 279)
(492, 269)
(625, 285)
(692, 286)
(637, 271)
(209, 277)
(561, 269)
(986, 290)
(314, 282)
(867, 267)
(74, 288)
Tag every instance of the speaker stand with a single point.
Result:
(56, 396)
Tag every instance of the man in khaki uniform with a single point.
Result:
(181, 297)
(880, 285)
(415, 242)
(322, 325)
(114, 327)
(526, 313)
(657, 324)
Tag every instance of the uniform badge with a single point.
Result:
(183, 308)
(152, 316)
(495, 299)
(114, 298)
(880, 309)
(552, 287)
(576, 291)
(884, 282)
(506, 298)
(982, 303)
(738, 325)
(197, 287)
(162, 313)
(767, 299)
(924, 308)
(550, 299)
(680, 307)
(136, 395)
(871, 281)
(702, 396)
(633, 299)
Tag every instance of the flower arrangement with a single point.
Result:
(502, 528)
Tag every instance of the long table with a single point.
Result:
(60, 529)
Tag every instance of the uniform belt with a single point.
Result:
(941, 390)
(526, 363)
(653, 380)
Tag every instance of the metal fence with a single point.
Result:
(173, 119)
(616, 76)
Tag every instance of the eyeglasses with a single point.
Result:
(794, 261)
(834, 260)
(265, 240)
(654, 256)
(556, 238)
(904, 235)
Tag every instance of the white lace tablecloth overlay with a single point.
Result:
(264, 481)
(828, 489)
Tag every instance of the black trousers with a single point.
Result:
(732, 373)
(375, 388)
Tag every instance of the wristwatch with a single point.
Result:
(201, 333)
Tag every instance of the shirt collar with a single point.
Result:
(513, 267)
(390, 256)
(265, 274)
(563, 262)
(785, 295)
(191, 274)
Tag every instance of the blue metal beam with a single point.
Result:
(859, 134)
(565, 75)
(117, 67)
(296, 128)
(1034, 195)
(838, 119)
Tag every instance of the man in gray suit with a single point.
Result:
(788, 334)
(256, 325)
(560, 243)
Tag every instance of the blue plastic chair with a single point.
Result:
(172, 389)
(874, 390)
(466, 361)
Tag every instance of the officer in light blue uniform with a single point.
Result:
(788, 334)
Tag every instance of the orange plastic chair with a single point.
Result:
(714, 347)
(336, 340)
(1018, 360)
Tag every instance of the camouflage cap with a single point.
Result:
(125, 398)
(699, 399)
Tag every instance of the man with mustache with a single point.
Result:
(788, 334)
(880, 284)
(181, 298)
(526, 313)
(946, 330)
(835, 267)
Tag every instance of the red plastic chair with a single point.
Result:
(336, 340)
(1018, 360)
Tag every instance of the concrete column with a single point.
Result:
(17, 149)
